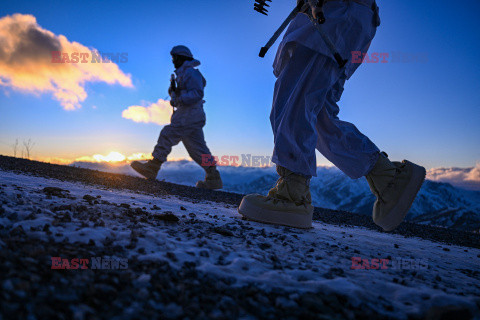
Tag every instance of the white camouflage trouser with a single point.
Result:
(191, 136)
(309, 84)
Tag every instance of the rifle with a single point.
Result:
(172, 88)
(173, 84)
(260, 6)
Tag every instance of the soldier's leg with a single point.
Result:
(194, 142)
(341, 142)
(169, 137)
(300, 92)
(197, 148)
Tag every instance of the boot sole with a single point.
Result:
(398, 213)
(289, 219)
(139, 169)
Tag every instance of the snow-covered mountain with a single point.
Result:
(438, 203)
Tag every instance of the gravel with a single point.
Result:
(30, 289)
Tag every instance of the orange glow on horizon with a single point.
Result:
(112, 158)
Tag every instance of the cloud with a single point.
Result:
(26, 63)
(467, 178)
(158, 112)
(111, 157)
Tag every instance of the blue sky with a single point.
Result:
(427, 112)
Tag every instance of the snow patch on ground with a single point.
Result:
(215, 237)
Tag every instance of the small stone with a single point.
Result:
(88, 197)
(144, 278)
(131, 245)
(334, 272)
(389, 307)
(54, 191)
(18, 231)
(65, 217)
(264, 245)
(167, 217)
(223, 231)
(171, 256)
(139, 211)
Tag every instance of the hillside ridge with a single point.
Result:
(121, 181)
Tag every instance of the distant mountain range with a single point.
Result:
(437, 203)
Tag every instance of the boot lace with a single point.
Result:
(390, 184)
(278, 198)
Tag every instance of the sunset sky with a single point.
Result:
(426, 110)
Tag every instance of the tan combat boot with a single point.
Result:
(289, 203)
(395, 184)
(149, 169)
(212, 179)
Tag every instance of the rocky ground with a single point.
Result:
(189, 255)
